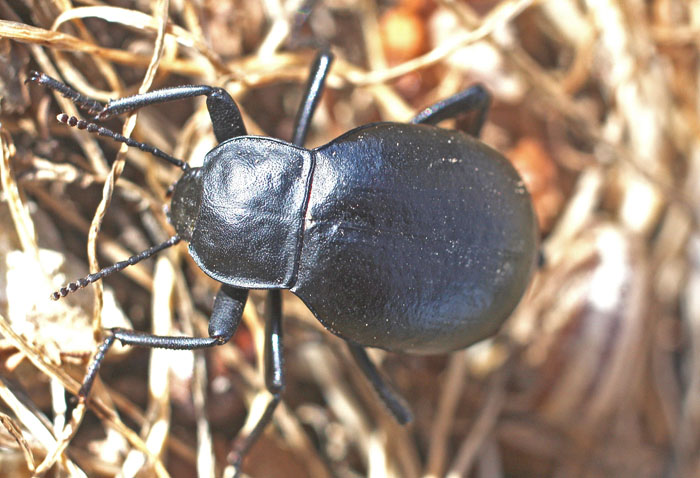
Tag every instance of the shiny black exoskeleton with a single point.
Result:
(406, 237)
(410, 238)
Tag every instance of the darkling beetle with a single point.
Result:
(406, 237)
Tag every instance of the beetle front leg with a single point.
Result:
(223, 110)
(85, 103)
(227, 313)
(274, 382)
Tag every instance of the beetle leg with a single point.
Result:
(274, 377)
(312, 95)
(225, 115)
(223, 110)
(273, 353)
(274, 382)
(474, 98)
(314, 89)
(228, 309)
(394, 402)
(83, 102)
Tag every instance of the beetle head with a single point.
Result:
(184, 208)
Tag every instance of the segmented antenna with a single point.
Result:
(102, 131)
(80, 283)
(84, 103)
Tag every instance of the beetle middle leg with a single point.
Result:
(474, 98)
(312, 95)
(314, 88)
(224, 320)
(274, 382)
(273, 352)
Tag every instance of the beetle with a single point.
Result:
(406, 237)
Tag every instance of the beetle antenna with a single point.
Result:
(102, 131)
(80, 283)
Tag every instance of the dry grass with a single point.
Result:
(597, 374)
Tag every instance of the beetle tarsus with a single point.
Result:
(274, 382)
(83, 102)
(94, 366)
(245, 440)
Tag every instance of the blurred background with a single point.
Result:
(597, 373)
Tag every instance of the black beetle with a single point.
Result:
(406, 237)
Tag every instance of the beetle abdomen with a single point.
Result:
(416, 238)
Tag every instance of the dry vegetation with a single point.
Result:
(597, 374)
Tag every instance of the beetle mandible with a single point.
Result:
(407, 237)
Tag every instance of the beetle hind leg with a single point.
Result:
(475, 98)
(394, 402)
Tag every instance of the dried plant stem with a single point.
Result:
(155, 428)
(444, 418)
(482, 427)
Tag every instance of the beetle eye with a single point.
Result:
(171, 189)
(166, 211)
